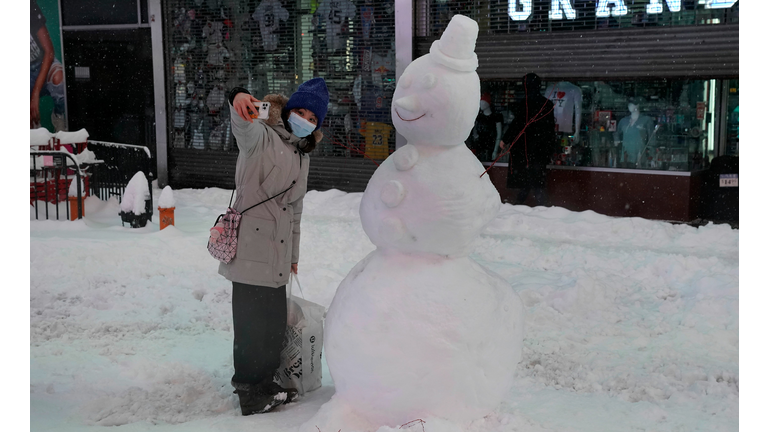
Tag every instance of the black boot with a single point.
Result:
(275, 388)
(256, 399)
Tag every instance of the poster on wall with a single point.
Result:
(47, 105)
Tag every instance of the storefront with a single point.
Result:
(646, 94)
(272, 46)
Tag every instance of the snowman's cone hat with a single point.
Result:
(456, 47)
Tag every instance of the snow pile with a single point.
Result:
(39, 137)
(76, 137)
(166, 198)
(86, 156)
(73, 188)
(628, 322)
(135, 195)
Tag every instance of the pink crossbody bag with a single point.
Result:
(222, 244)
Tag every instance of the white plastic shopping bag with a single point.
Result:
(300, 360)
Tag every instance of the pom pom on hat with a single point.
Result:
(311, 95)
(456, 47)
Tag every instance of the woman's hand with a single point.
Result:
(242, 103)
(295, 268)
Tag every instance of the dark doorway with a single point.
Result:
(110, 90)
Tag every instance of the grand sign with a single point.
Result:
(521, 10)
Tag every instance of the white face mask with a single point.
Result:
(300, 126)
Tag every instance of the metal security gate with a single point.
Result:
(665, 52)
(272, 46)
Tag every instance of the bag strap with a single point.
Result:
(232, 196)
(272, 197)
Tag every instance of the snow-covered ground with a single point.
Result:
(630, 324)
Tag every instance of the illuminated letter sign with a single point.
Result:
(619, 8)
(720, 4)
(519, 16)
(656, 7)
(556, 13)
(605, 8)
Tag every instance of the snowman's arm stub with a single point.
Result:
(392, 193)
(406, 157)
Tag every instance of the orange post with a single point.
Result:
(73, 207)
(166, 216)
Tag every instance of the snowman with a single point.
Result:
(418, 329)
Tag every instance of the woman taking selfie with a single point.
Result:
(270, 183)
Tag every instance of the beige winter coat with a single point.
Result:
(269, 162)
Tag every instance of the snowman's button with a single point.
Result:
(406, 157)
(392, 193)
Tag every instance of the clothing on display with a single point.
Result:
(179, 119)
(181, 95)
(212, 32)
(367, 19)
(634, 135)
(381, 65)
(179, 69)
(376, 139)
(269, 14)
(357, 90)
(335, 12)
(198, 137)
(217, 54)
(567, 99)
(216, 99)
(373, 103)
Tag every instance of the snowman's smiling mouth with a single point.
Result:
(409, 120)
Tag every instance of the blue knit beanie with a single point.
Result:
(312, 95)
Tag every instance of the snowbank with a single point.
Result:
(630, 324)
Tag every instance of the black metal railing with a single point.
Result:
(118, 163)
(50, 183)
(106, 176)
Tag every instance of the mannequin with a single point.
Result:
(634, 132)
(567, 99)
(486, 134)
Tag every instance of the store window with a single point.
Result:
(272, 46)
(656, 124)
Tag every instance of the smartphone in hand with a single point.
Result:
(263, 111)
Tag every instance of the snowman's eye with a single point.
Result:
(406, 81)
(428, 81)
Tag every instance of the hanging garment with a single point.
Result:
(269, 14)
